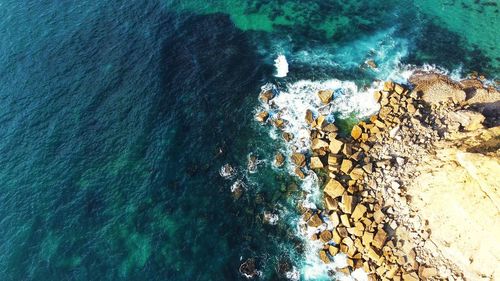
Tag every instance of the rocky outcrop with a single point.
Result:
(376, 181)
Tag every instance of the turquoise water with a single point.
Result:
(115, 118)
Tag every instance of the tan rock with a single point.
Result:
(333, 250)
(325, 96)
(379, 239)
(309, 117)
(287, 136)
(299, 159)
(335, 146)
(315, 221)
(367, 238)
(318, 144)
(334, 219)
(410, 276)
(428, 272)
(262, 116)
(323, 256)
(388, 86)
(299, 173)
(379, 124)
(436, 88)
(346, 166)
(377, 95)
(368, 168)
(279, 123)
(320, 121)
(330, 128)
(357, 173)
(411, 108)
(333, 159)
(356, 132)
(346, 204)
(331, 204)
(266, 96)
(279, 159)
(398, 89)
(372, 254)
(378, 216)
(358, 212)
(325, 236)
(334, 188)
(316, 163)
(469, 120)
(345, 220)
(336, 237)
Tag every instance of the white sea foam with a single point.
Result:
(281, 65)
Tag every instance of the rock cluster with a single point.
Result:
(367, 208)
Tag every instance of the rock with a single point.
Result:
(333, 250)
(323, 256)
(336, 236)
(379, 239)
(399, 89)
(372, 254)
(388, 86)
(266, 96)
(346, 166)
(299, 173)
(368, 168)
(367, 238)
(315, 221)
(325, 96)
(330, 203)
(436, 88)
(320, 121)
(371, 64)
(345, 220)
(326, 236)
(287, 136)
(316, 163)
(346, 202)
(262, 116)
(335, 146)
(299, 159)
(279, 159)
(378, 216)
(410, 276)
(279, 123)
(411, 108)
(334, 188)
(356, 132)
(469, 120)
(358, 212)
(318, 144)
(357, 174)
(379, 124)
(428, 272)
(330, 128)
(248, 269)
(377, 95)
(309, 117)
(334, 219)
(333, 159)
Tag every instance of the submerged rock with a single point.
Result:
(227, 171)
(279, 159)
(249, 269)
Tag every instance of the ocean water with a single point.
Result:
(116, 117)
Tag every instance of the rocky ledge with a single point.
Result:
(413, 192)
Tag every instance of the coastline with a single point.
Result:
(374, 179)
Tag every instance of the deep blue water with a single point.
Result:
(113, 116)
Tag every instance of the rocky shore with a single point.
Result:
(413, 192)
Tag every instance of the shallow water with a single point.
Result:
(116, 118)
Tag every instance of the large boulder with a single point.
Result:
(266, 96)
(469, 120)
(299, 159)
(249, 269)
(436, 88)
(334, 188)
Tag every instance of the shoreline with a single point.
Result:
(369, 178)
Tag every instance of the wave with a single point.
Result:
(281, 65)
